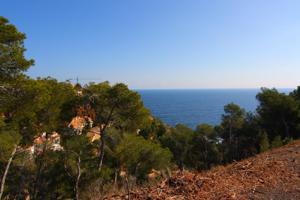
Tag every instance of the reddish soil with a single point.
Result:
(274, 174)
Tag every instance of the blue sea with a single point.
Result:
(193, 107)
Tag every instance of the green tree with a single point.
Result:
(296, 94)
(12, 64)
(12, 59)
(35, 108)
(115, 106)
(79, 161)
(232, 122)
(208, 131)
(139, 156)
(154, 130)
(202, 153)
(53, 95)
(8, 150)
(247, 138)
(279, 113)
(56, 95)
(178, 140)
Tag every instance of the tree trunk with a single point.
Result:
(21, 185)
(116, 180)
(230, 131)
(287, 130)
(102, 133)
(181, 166)
(78, 177)
(128, 187)
(40, 165)
(206, 154)
(6, 170)
(101, 156)
(237, 152)
(169, 172)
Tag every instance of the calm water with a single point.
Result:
(192, 107)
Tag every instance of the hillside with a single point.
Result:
(271, 175)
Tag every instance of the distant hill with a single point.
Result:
(274, 174)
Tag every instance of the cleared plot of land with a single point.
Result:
(272, 175)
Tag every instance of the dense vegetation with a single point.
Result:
(132, 147)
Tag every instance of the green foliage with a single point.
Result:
(279, 113)
(239, 132)
(36, 105)
(276, 142)
(178, 140)
(49, 179)
(232, 121)
(117, 105)
(193, 149)
(2, 123)
(8, 141)
(12, 60)
(296, 94)
(79, 147)
(12, 65)
(80, 161)
(208, 131)
(202, 153)
(54, 96)
(287, 140)
(139, 156)
(154, 130)
(264, 142)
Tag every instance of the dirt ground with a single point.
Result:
(273, 175)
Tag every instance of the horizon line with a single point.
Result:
(252, 88)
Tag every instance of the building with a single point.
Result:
(46, 142)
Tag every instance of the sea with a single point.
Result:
(196, 106)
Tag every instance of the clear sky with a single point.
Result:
(163, 43)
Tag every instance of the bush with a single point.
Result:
(277, 142)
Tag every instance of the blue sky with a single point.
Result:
(163, 43)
